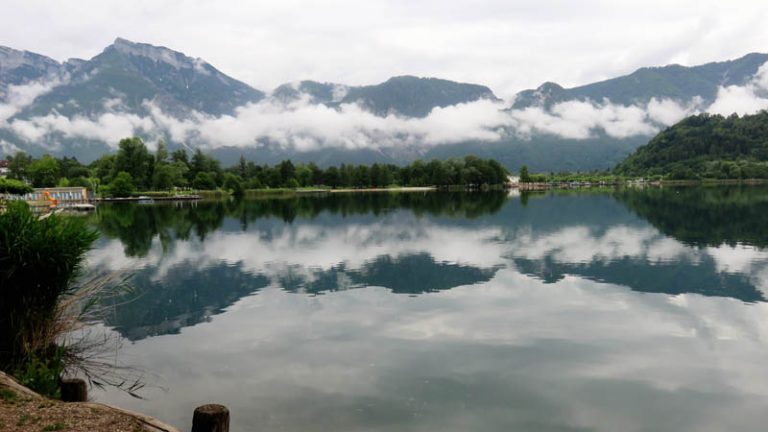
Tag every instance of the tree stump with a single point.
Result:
(74, 390)
(211, 418)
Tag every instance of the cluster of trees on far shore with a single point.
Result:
(135, 168)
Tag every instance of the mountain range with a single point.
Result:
(82, 107)
(668, 82)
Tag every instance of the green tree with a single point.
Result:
(180, 155)
(44, 172)
(204, 181)
(161, 155)
(525, 177)
(134, 158)
(80, 182)
(233, 184)
(180, 170)
(202, 163)
(380, 175)
(304, 175)
(103, 168)
(70, 167)
(242, 168)
(198, 164)
(164, 176)
(273, 178)
(332, 178)
(317, 174)
(18, 165)
(287, 171)
(122, 185)
(361, 176)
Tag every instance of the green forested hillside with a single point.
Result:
(705, 146)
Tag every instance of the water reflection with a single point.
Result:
(409, 274)
(137, 225)
(705, 216)
(186, 296)
(517, 315)
(197, 259)
(705, 254)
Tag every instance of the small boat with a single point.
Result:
(84, 207)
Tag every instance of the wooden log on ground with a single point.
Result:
(211, 418)
(74, 390)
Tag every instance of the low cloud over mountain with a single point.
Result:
(84, 107)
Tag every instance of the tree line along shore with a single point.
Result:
(134, 168)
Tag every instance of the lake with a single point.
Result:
(628, 310)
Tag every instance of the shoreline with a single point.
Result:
(24, 409)
(539, 186)
(150, 196)
(395, 189)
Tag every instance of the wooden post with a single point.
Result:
(74, 390)
(211, 418)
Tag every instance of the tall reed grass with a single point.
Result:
(40, 260)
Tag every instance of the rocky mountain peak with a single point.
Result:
(158, 54)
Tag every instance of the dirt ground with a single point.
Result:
(21, 413)
(22, 410)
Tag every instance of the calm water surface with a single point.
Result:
(613, 311)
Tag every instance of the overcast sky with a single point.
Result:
(508, 45)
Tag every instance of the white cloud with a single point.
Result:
(20, 96)
(739, 100)
(579, 244)
(8, 148)
(668, 112)
(761, 77)
(737, 259)
(302, 125)
(108, 127)
(746, 99)
(580, 120)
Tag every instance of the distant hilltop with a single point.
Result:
(705, 146)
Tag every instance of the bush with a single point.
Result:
(14, 187)
(41, 373)
(254, 183)
(233, 184)
(41, 258)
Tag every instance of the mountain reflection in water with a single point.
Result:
(590, 310)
